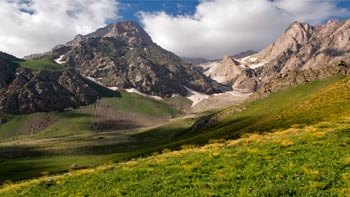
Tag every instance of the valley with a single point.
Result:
(273, 133)
(33, 154)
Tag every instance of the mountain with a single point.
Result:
(41, 85)
(232, 72)
(6, 68)
(122, 55)
(35, 91)
(302, 54)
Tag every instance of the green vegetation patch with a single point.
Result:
(42, 64)
(307, 104)
(133, 102)
(306, 161)
(320, 104)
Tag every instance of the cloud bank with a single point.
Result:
(221, 27)
(33, 26)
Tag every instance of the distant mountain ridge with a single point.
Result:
(304, 53)
(122, 56)
(232, 72)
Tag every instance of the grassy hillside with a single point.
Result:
(321, 104)
(49, 142)
(42, 64)
(307, 161)
(79, 121)
(307, 104)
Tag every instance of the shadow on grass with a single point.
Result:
(73, 114)
(115, 125)
(101, 90)
(13, 151)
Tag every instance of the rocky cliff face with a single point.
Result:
(6, 69)
(304, 53)
(123, 55)
(35, 91)
(232, 72)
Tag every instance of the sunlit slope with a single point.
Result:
(312, 160)
(307, 104)
(320, 107)
(80, 121)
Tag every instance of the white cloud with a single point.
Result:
(221, 27)
(38, 25)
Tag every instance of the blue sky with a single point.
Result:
(130, 8)
(343, 4)
(191, 28)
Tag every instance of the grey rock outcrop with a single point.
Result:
(304, 53)
(7, 69)
(37, 91)
(233, 73)
(123, 55)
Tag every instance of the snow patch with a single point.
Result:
(232, 93)
(254, 66)
(95, 80)
(113, 88)
(245, 58)
(133, 90)
(59, 60)
(253, 59)
(196, 97)
(211, 70)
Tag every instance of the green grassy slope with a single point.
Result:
(326, 101)
(310, 103)
(70, 139)
(79, 121)
(307, 161)
(42, 64)
(144, 105)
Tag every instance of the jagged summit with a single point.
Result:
(231, 72)
(305, 53)
(128, 31)
(123, 56)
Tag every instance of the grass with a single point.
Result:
(70, 138)
(305, 104)
(143, 105)
(306, 161)
(101, 90)
(309, 118)
(42, 64)
(78, 121)
(20, 160)
(179, 102)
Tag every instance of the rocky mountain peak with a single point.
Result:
(300, 32)
(122, 55)
(296, 35)
(305, 53)
(129, 32)
(231, 72)
(229, 61)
